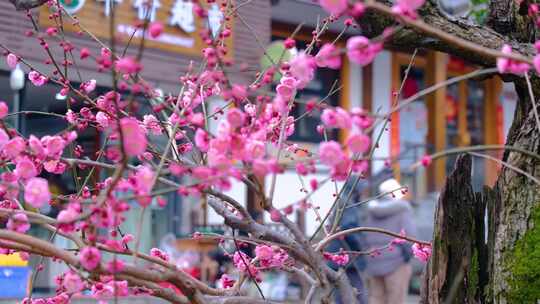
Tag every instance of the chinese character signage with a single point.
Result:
(182, 26)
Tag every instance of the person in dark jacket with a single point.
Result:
(351, 242)
(389, 271)
(355, 215)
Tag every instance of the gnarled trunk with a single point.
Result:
(457, 271)
(510, 268)
(514, 215)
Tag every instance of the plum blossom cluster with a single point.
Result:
(421, 252)
(252, 125)
(405, 8)
(332, 154)
(29, 157)
(339, 258)
(266, 257)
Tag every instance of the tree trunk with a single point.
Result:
(512, 260)
(464, 268)
(514, 215)
(457, 270)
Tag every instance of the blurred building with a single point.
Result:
(165, 59)
(472, 112)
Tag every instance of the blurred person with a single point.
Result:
(351, 242)
(355, 215)
(389, 269)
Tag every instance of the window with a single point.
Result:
(325, 81)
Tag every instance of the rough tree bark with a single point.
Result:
(451, 271)
(514, 202)
(454, 272)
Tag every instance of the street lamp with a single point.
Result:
(16, 82)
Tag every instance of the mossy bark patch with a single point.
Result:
(524, 265)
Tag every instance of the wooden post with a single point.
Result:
(491, 136)
(436, 72)
(367, 104)
(344, 93)
(254, 200)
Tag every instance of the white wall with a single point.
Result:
(287, 191)
(508, 100)
(382, 97)
(238, 192)
(355, 85)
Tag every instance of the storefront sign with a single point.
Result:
(181, 24)
(14, 276)
(14, 281)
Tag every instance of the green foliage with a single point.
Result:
(479, 11)
(524, 265)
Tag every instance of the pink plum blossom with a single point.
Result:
(358, 10)
(103, 119)
(12, 60)
(343, 118)
(152, 123)
(202, 140)
(53, 145)
(84, 53)
(88, 86)
(133, 136)
(359, 143)
(302, 68)
(243, 263)
(400, 240)
(18, 222)
(340, 259)
(127, 65)
(330, 153)
(25, 168)
(36, 192)
(4, 138)
(536, 63)
(426, 160)
(227, 281)
(270, 256)
(507, 65)
(264, 252)
(275, 215)
(36, 146)
(236, 118)
(36, 78)
(329, 118)
(334, 7)
(155, 252)
(72, 282)
(54, 166)
(239, 92)
(289, 43)
(421, 252)
(66, 220)
(90, 257)
(143, 180)
(14, 147)
(361, 51)
(328, 57)
(155, 29)
(285, 91)
(407, 8)
(4, 110)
